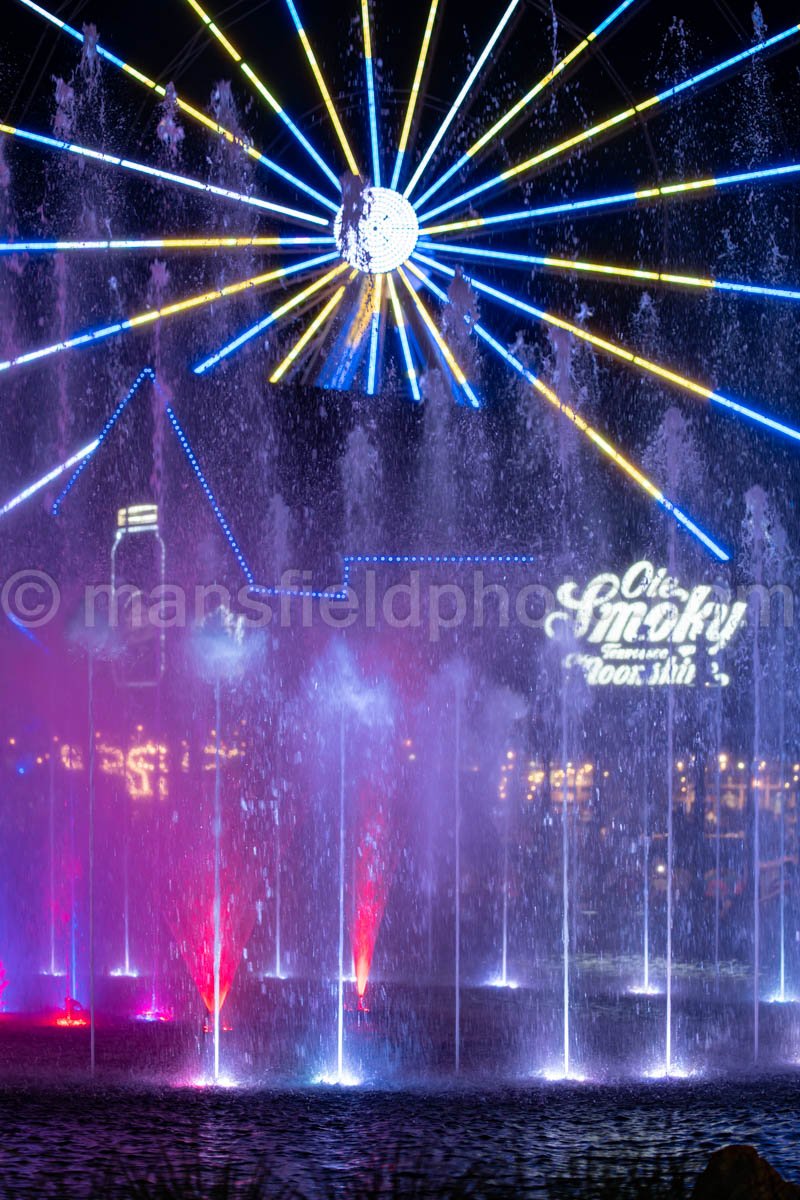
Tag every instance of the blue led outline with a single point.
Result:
(351, 560)
(145, 373)
(149, 373)
(215, 508)
(663, 501)
(341, 593)
(269, 163)
(751, 414)
(348, 560)
(498, 181)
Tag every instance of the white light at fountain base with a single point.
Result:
(499, 982)
(786, 998)
(556, 1075)
(334, 1079)
(675, 1072)
(384, 235)
(639, 989)
(208, 1081)
(124, 973)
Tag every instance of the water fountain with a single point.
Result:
(398, 728)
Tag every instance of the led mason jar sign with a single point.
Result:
(644, 629)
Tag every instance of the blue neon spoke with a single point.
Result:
(411, 373)
(97, 335)
(514, 302)
(526, 260)
(266, 162)
(518, 366)
(637, 196)
(374, 342)
(461, 97)
(254, 330)
(49, 478)
(496, 181)
(150, 244)
(466, 159)
(169, 176)
(372, 104)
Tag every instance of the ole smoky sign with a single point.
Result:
(644, 629)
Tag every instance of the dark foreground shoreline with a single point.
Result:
(163, 1142)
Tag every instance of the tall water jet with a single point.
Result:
(341, 887)
(779, 545)
(51, 858)
(717, 827)
(355, 708)
(100, 644)
(457, 707)
(565, 875)
(756, 530)
(670, 857)
(221, 654)
(91, 779)
(502, 710)
(278, 539)
(646, 986)
(672, 452)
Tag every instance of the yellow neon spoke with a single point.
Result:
(312, 330)
(169, 310)
(587, 205)
(462, 97)
(443, 348)
(613, 270)
(323, 88)
(566, 264)
(402, 329)
(522, 104)
(625, 465)
(262, 89)
(617, 120)
(597, 438)
(310, 291)
(415, 90)
(504, 121)
(189, 109)
(612, 348)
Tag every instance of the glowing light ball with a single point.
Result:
(383, 235)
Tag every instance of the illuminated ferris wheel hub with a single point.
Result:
(381, 235)
(381, 268)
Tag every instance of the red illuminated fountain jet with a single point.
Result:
(374, 868)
